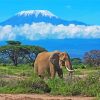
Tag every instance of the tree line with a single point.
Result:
(15, 53)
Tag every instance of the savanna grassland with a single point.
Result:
(20, 79)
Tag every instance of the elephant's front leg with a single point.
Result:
(60, 72)
(52, 71)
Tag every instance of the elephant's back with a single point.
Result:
(43, 56)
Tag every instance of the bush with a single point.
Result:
(81, 66)
(89, 86)
(40, 85)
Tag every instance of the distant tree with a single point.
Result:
(92, 58)
(13, 42)
(18, 53)
(76, 61)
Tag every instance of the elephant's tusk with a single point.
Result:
(69, 70)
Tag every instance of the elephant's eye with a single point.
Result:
(60, 60)
(65, 59)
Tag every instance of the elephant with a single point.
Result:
(52, 62)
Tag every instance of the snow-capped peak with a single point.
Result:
(36, 13)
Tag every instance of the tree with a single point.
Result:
(18, 53)
(92, 58)
(13, 42)
(76, 61)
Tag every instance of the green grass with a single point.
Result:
(89, 86)
(23, 70)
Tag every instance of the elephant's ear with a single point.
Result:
(54, 58)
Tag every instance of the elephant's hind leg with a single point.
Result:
(40, 71)
(35, 68)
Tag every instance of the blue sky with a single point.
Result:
(87, 11)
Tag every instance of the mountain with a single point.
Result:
(30, 16)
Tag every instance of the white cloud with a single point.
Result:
(6, 33)
(48, 31)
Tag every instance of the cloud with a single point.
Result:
(6, 33)
(43, 30)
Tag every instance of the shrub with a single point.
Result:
(40, 85)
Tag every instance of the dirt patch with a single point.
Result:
(11, 77)
(40, 97)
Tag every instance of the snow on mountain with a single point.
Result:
(36, 13)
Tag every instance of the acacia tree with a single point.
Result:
(18, 53)
(92, 58)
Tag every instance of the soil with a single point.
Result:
(41, 97)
